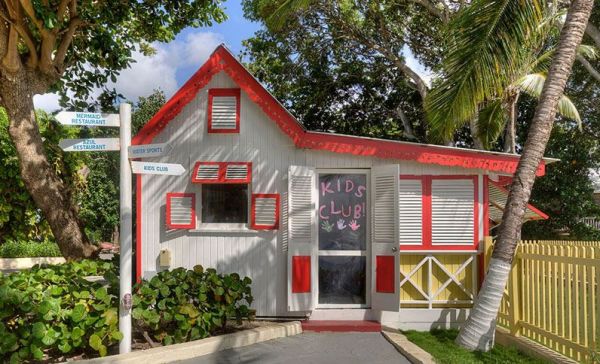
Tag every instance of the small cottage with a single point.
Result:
(328, 226)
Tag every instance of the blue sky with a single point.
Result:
(176, 61)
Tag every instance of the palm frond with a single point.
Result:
(533, 84)
(284, 11)
(588, 52)
(491, 121)
(486, 50)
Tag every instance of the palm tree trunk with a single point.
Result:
(510, 134)
(474, 127)
(478, 331)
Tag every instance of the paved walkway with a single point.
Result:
(311, 348)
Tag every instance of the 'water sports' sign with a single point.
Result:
(89, 145)
(149, 150)
(342, 211)
(87, 118)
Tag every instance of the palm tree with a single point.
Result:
(478, 331)
(485, 74)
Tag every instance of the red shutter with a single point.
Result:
(181, 213)
(222, 172)
(224, 110)
(264, 214)
(300, 274)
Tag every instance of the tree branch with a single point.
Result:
(593, 33)
(28, 7)
(588, 66)
(444, 16)
(62, 9)
(65, 43)
(11, 61)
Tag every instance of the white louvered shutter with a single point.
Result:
(302, 230)
(236, 171)
(265, 211)
(180, 211)
(411, 212)
(385, 265)
(452, 211)
(208, 172)
(224, 112)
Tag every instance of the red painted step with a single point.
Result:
(341, 326)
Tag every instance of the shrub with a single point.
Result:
(25, 249)
(53, 310)
(181, 305)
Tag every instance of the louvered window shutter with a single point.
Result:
(222, 172)
(411, 211)
(385, 181)
(265, 211)
(302, 246)
(181, 211)
(452, 211)
(224, 111)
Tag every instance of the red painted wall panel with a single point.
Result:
(385, 278)
(301, 274)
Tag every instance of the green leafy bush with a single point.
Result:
(181, 305)
(55, 311)
(25, 249)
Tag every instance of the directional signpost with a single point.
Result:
(87, 118)
(89, 145)
(171, 169)
(149, 150)
(123, 144)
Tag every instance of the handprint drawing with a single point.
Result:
(341, 224)
(354, 225)
(325, 225)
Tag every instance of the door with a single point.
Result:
(385, 261)
(343, 239)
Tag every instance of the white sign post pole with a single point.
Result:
(125, 234)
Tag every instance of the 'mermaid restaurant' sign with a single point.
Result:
(87, 118)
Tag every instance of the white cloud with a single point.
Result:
(160, 70)
(157, 71)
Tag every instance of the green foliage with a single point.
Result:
(323, 65)
(440, 344)
(24, 249)
(181, 305)
(490, 44)
(51, 311)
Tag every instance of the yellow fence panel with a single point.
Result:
(552, 296)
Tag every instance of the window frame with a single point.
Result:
(222, 173)
(426, 205)
(224, 92)
(256, 196)
(193, 220)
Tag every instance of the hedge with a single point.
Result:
(29, 249)
(53, 311)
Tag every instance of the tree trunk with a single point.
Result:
(510, 134)
(474, 127)
(48, 191)
(478, 331)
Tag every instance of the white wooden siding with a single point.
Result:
(411, 212)
(452, 212)
(261, 255)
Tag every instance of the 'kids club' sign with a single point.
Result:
(342, 211)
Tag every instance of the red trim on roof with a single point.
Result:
(222, 60)
(533, 209)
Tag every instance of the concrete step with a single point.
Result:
(340, 326)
